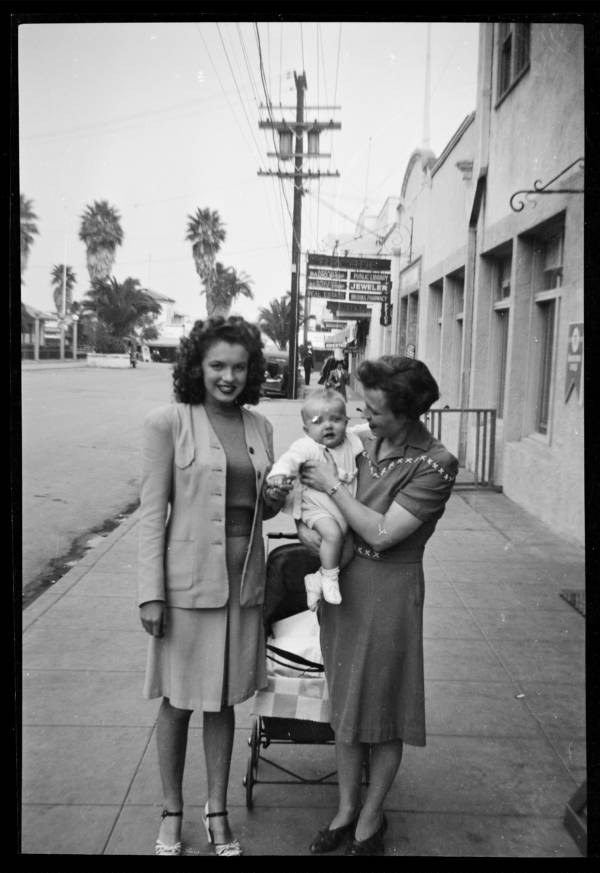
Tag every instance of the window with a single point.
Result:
(552, 259)
(546, 247)
(501, 267)
(434, 328)
(501, 277)
(402, 322)
(546, 310)
(456, 289)
(501, 317)
(513, 54)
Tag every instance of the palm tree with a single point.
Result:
(206, 232)
(58, 275)
(28, 230)
(120, 306)
(101, 232)
(227, 285)
(274, 320)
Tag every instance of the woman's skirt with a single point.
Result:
(372, 646)
(210, 658)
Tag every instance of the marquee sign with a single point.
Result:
(347, 279)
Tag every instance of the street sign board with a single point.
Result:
(351, 279)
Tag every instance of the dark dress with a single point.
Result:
(372, 642)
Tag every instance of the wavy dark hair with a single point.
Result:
(188, 383)
(410, 387)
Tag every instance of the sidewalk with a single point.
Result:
(505, 686)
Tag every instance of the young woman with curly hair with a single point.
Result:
(201, 562)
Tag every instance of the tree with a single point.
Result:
(101, 232)
(29, 230)
(120, 307)
(228, 284)
(57, 275)
(275, 320)
(206, 232)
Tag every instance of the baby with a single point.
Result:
(324, 422)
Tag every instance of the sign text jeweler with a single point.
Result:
(347, 279)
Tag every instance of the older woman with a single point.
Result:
(373, 641)
(201, 561)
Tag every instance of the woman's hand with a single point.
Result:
(276, 491)
(318, 475)
(153, 615)
(308, 537)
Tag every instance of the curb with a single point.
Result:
(62, 586)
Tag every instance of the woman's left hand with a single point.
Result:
(318, 475)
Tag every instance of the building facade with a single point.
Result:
(488, 282)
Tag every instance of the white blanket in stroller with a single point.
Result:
(296, 636)
(295, 689)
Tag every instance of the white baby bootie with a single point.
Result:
(331, 589)
(312, 583)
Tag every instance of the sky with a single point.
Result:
(161, 118)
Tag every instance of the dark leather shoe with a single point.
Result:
(373, 845)
(330, 838)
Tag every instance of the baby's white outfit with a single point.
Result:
(308, 503)
(311, 505)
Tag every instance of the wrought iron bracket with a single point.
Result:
(539, 188)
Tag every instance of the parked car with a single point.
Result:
(275, 383)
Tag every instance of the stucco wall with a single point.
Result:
(538, 128)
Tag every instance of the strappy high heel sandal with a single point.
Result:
(231, 848)
(161, 848)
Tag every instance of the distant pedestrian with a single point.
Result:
(329, 364)
(338, 379)
(201, 574)
(307, 363)
(132, 353)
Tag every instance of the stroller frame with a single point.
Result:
(271, 730)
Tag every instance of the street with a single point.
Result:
(82, 431)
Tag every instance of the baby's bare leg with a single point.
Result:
(332, 540)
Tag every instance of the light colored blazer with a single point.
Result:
(182, 510)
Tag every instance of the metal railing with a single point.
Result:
(470, 434)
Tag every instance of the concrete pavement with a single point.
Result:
(505, 686)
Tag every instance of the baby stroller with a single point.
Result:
(285, 596)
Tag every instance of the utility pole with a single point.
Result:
(286, 130)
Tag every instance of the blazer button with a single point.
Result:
(258, 475)
(251, 450)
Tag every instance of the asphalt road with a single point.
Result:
(81, 433)
(81, 439)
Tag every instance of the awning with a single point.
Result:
(165, 342)
(342, 338)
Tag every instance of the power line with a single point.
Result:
(269, 104)
(237, 87)
(374, 233)
(320, 38)
(250, 75)
(236, 117)
(337, 67)
(280, 58)
(318, 58)
(233, 112)
(302, 45)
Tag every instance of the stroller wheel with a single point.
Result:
(248, 782)
(249, 779)
(254, 742)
